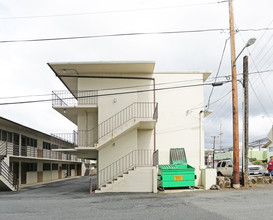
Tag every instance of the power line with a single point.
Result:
(257, 71)
(114, 35)
(110, 94)
(227, 77)
(114, 88)
(223, 52)
(260, 101)
(127, 34)
(111, 11)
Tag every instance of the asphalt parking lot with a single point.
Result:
(70, 199)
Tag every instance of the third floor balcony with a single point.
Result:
(68, 103)
(65, 98)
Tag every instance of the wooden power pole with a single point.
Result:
(221, 133)
(245, 85)
(214, 141)
(236, 177)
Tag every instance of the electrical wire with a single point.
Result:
(260, 101)
(111, 94)
(114, 88)
(221, 30)
(113, 35)
(223, 52)
(112, 11)
(265, 87)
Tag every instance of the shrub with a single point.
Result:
(257, 162)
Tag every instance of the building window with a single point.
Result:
(4, 135)
(64, 166)
(31, 167)
(72, 166)
(46, 146)
(46, 166)
(54, 166)
(24, 140)
(27, 141)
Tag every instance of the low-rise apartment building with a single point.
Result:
(129, 117)
(27, 157)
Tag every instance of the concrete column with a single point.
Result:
(19, 172)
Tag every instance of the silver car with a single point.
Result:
(225, 168)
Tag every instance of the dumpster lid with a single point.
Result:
(178, 156)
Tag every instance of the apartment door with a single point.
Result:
(16, 139)
(23, 173)
(60, 172)
(79, 169)
(15, 169)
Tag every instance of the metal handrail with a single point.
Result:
(133, 111)
(136, 158)
(3, 149)
(137, 110)
(28, 151)
(74, 98)
(8, 175)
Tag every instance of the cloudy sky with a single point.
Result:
(24, 69)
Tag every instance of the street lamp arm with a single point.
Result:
(239, 55)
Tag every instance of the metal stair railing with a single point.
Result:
(137, 110)
(8, 175)
(3, 150)
(83, 138)
(136, 158)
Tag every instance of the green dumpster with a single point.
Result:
(178, 173)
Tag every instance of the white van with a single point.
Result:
(225, 168)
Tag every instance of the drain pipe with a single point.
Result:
(156, 119)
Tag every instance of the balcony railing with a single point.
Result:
(28, 151)
(88, 138)
(64, 140)
(65, 98)
(136, 158)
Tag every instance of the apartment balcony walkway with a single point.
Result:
(69, 103)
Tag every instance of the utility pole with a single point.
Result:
(214, 137)
(236, 177)
(246, 105)
(221, 136)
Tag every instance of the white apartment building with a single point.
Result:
(26, 157)
(128, 118)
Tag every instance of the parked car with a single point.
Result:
(225, 168)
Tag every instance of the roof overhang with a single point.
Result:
(205, 74)
(69, 73)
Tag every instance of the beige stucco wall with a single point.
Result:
(145, 139)
(47, 176)
(31, 177)
(73, 172)
(179, 123)
(107, 106)
(54, 174)
(123, 145)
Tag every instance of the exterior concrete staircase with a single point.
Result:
(139, 114)
(129, 171)
(8, 180)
